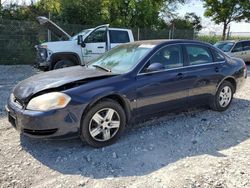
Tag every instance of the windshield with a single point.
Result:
(122, 58)
(84, 32)
(224, 46)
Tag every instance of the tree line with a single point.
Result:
(152, 14)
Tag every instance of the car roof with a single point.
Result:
(112, 28)
(169, 41)
(227, 41)
(234, 41)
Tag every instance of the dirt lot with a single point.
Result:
(196, 148)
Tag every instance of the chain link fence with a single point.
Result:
(18, 38)
(239, 34)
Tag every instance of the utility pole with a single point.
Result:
(49, 32)
(0, 8)
(228, 32)
(138, 33)
(173, 28)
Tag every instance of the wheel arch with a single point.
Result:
(74, 57)
(230, 79)
(121, 100)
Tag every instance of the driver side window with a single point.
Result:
(169, 56)
(97, 36)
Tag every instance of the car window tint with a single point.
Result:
(238, 47)
(118, 36)
(198, 55)
(98, 35)
(246, 45)
(169, 57)
(218, 56)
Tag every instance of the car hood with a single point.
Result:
(24, 90)
(48, 24)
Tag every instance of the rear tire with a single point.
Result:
(223, 97)
(63, 63)
(103, 124)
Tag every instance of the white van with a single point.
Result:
(240, 49)
(78, 49)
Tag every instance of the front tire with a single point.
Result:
(103, 124)
(223, 97)
(63, 63)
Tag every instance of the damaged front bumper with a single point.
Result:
(61, 123)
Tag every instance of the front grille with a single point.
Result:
(40, 132)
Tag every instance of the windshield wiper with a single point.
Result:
(103, 68)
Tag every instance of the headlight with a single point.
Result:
(42, 53)
(49, 101)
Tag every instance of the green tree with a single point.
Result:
(189, 22)
(85, 12)
(138, 13)
(30, 12)
(226, 11)
(194, 20)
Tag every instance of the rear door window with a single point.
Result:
(238, 47)
(246, 45)
(117, 36)
(198, 55)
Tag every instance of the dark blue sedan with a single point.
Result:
(133, 81)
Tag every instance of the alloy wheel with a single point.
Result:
(104, 124)
(225, 96)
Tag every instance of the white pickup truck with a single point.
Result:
(78, 49)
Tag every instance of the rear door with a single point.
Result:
(96, 43)
(246, 51)
(204, 71)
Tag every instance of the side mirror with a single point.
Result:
(155, 67)
(80, 41)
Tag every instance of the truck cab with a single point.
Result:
(80, 48)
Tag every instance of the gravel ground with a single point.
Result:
(195, 148)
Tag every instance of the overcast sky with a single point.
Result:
(194, 6)
(197, 7)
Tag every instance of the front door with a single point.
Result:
(166, 89)
(96, 43)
